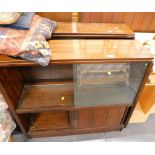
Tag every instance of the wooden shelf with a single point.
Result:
(50, 121)
(45, 97)
(93, 30)
(60, 127)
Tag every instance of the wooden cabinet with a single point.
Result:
(60, 100)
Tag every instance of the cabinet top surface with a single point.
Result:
(93, 28)
(90, 51)
(99, 50)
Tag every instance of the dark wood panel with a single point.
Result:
(11, 86)
(138, 21)
(46, 97)
(97, 117)
(47, 133)
(51, 72)
(12, 83)
(57, 16)
(50, 121)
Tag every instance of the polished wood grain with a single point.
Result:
(66, 53)
(89, 51)
(97, 117)
(138, 21)
(38, 98)
(48, 133)
(85, 30)
(98, 50)
(50, 121)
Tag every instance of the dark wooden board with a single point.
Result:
(98, 117)
(50, 121)
(47, 133)
(37, 98)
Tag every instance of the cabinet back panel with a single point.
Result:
(51, 72)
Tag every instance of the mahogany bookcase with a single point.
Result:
(89, 86)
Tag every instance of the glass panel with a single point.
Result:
(107, 84)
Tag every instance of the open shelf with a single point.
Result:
(45, 97)
(58, 123)
(50, 121)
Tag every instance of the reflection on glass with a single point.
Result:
(107, 84)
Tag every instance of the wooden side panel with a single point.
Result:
(11, 86)
(12, 83)
(57, 16)
(138, 21)
(97, 117)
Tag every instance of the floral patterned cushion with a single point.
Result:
(7, 125)
(9, 17)
(29, 44)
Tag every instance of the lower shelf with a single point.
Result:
(50, 121)
(48, 133)
(58, 124)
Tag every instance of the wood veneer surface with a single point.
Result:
(50, 121)
(45, 97)
(96, 29)
(89, 51)
(64, 50)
